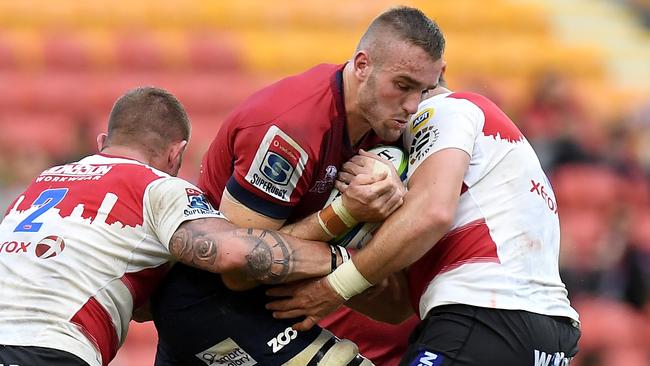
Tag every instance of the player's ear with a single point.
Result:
(175, 155)
(101, 141)
(362, 63)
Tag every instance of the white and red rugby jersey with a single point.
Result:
(82, 247)
(503, 247)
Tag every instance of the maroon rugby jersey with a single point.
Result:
(278, 153)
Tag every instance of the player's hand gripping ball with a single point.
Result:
(357, 236)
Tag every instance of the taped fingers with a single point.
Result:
(327, 350)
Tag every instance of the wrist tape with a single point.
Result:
(335, 219)
(347, 281)
(343, 213)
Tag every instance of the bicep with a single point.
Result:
(271, 172)
(243, 216)
(440, 177)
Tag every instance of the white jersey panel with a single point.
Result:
(86, 250)
(507, 195)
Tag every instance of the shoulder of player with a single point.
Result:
(469, 104)
(288, 128)
(115, 167)
(167, 183)
(290, 102)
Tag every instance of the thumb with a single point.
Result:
(368, 154)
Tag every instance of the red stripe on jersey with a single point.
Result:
(470, 243)
(141, 284)
(496, 122)
(96, 324)
(127, 181)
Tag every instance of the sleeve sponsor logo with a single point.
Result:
(421, 119)
(422, 142)
(197, 204)
(278, 165)
(547, 197)
(277, 169)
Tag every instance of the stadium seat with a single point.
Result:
(7, 57)
(65, 51)
(14, 92)
(26, 46)
(47, 132)
(608, 324)
(209, 51)
(138, 51)
(587, 187)
(585, 237)
(638, 230)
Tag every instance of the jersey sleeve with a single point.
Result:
(269, 172)
(436, 126)
(171, 201)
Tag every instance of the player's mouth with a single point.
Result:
(399, 123)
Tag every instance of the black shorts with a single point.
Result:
(462, 335)
(201, 321)
(37, 356)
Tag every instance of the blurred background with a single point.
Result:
(573, 74)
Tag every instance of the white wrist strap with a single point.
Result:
(343, 213)
(345, 255)
(347, 281)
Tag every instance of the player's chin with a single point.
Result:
(392, 134)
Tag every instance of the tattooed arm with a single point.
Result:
(248, 256)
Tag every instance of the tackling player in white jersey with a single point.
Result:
(478, 235)
(87, 242)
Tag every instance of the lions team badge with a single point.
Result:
(49, 247)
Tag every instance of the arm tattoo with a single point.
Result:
(269, 261)
(267, 256)
(191, 244)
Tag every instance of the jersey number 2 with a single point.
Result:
(46, 200)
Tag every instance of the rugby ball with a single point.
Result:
(357, 236)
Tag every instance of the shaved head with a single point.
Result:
(148, 119)
(402, 24)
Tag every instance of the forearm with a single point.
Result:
(307, 228)
(403, 238)
(387, 302)
(256, 255)
(426, 216)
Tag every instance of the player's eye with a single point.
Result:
(402, 86)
